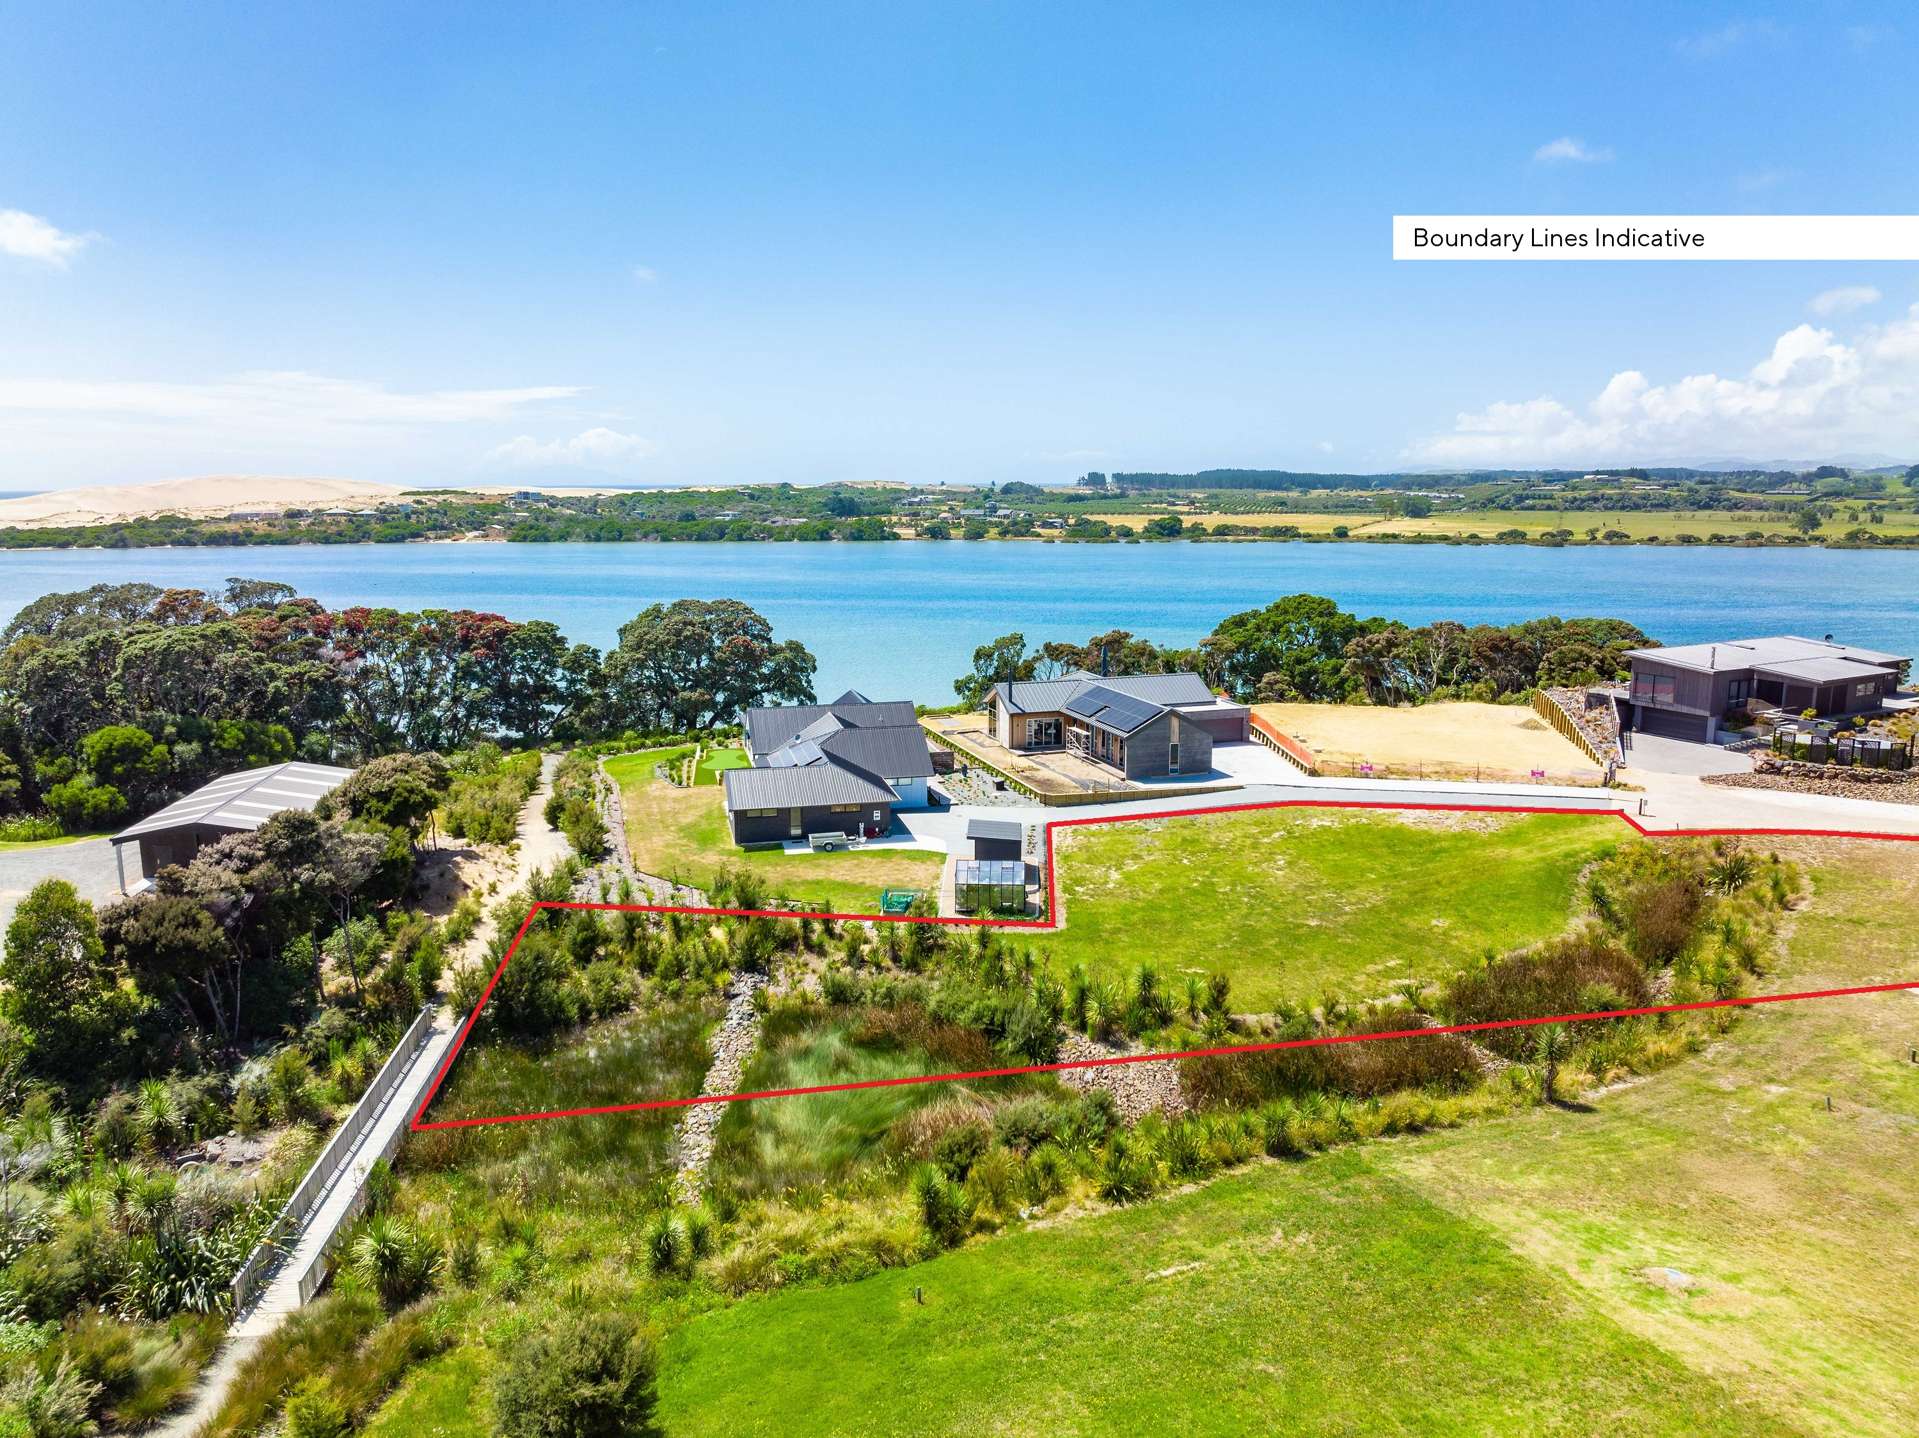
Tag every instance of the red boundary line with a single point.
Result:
(1050, 923)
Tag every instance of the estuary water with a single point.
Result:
(901, 620)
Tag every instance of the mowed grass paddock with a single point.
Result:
(681, 833)
(1294, 903)
(1439, 741)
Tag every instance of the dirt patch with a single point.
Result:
(1460, 740)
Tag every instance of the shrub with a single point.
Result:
(1127, 1172)
(943, 1206)
(313, 1412)
(960, 1147)
(584, 1376)
(1043, 1175)
(1578, 973)
(992, 1179)
(54, 1404)
(666, 1245)
(395, 1262)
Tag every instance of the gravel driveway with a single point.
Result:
(87, 865)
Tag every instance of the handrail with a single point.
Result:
(1280, 741)
(332, 1158)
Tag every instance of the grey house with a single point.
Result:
(838, 768)
(1684, 692)
(1146, 726)
(231, 804)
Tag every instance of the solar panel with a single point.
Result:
(795, 756)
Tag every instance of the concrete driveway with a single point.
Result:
(87, 865)
(1658, 755)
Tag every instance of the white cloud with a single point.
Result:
(1567, 150)
(1814, 394)
(1325, 446)
(1758, 180)
(594, 449)
(1844, 300)
(28, 237)
(271, 397)
(645, 275)
(1710, 44)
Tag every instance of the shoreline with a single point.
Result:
(1901, 545)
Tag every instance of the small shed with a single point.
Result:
(997, 838)
(992, 885)
(231, 804)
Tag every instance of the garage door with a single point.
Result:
(1671, 725)
(1227, 727)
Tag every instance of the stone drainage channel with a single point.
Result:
(733, 1043)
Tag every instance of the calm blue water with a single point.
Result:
(901, 620)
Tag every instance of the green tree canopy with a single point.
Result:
(697, 663)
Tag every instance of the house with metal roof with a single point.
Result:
(1685, 692)
(817, 769)
(232, 804)
(1145, 726)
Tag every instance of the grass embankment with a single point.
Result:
(1508, 1276)
(1329, 1299)
(818, 1140)
(1790, 1228)
(547, 1208)
(1292, 904)
(681, 833)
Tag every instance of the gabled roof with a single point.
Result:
(801, 787)
(1763, 653)
(244, 800)
(1121, 713)
(1159, 691)
(769, 728)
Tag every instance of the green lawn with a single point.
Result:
(1328, 1298)
(1295, 903)
(715, 760)
(8, 846)
(681, 833)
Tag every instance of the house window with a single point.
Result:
(1865, 689)
(1738, 691)
(846, 808)
(1651, 688)
(1172, 759)
(1041, 732)
(759, 813)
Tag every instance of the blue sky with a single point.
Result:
(685, 243)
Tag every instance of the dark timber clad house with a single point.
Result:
(839, 768)
(1683, 692)
(1147, 726)
(231, 804)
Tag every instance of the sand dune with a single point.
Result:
(207, 497)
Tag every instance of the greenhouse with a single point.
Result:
(990, 885)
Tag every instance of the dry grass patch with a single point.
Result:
(1440, 741)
